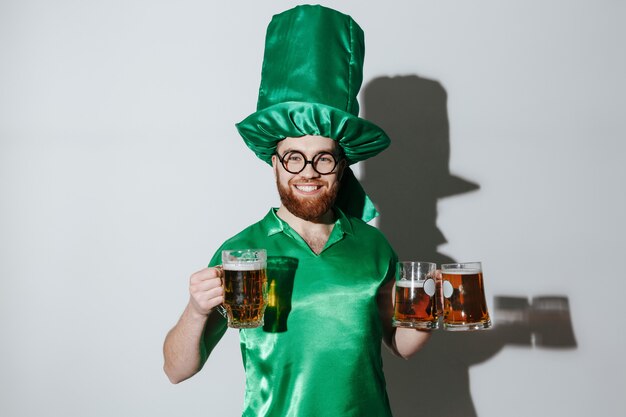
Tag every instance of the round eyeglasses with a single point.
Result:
(294, 162)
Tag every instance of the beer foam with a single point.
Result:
(246, 266)
(462, 271)
(407, 283)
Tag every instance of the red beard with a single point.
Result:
(307, 208)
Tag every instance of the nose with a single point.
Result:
(308, 171)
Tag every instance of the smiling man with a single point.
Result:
(308, 186)
(325, 358)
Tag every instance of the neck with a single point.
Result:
(314, 232)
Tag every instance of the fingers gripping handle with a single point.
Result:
(220, 308)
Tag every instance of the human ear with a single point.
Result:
(275, 165)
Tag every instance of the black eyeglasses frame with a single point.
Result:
(313, 161)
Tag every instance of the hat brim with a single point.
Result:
(359, 138)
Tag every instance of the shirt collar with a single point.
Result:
(343, 222)
(275, 224)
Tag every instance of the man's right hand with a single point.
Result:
(182, 348)
(206, 291)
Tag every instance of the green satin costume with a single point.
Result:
(324, 358)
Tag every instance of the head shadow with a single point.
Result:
(406, 182)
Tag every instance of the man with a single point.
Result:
(325, 360)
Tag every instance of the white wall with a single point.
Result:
(117, 137)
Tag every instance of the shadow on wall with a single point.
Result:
(406, 182)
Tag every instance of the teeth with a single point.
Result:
(306, 188)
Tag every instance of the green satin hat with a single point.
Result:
(311, 76)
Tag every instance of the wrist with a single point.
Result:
(194, 314)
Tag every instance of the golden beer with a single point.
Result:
(415, 301)
(464, 304)
(415, 306)
(245, 287)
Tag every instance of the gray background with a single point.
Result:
(121, 173)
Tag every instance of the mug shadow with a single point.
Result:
(446, 359)
(281, 271)
(406, 182)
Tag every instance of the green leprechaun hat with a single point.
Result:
(311, 76)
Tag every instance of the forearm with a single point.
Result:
(181, 350)
(406, 342)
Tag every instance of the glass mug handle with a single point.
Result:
(220, 308)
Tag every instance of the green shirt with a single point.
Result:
(318, 353)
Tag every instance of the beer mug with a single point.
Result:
(464, 304)
(415, 297)
(245, 287)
